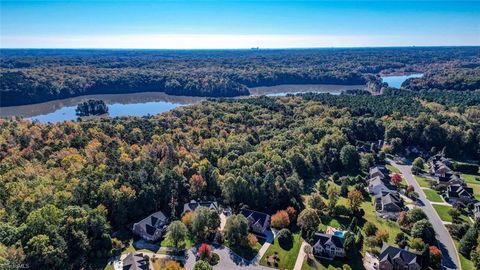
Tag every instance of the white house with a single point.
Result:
(328, 246)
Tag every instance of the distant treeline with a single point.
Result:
(31, 76)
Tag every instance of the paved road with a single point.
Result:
(449, 252)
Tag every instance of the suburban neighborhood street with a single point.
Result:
(450, 258)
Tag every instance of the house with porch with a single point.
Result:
(328, 246)
(389, 205)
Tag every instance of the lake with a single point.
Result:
(397, 80)
(147, 103)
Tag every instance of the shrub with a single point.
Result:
(370, 229)
(215, 259)
(280, 219)
(202, 265)
(252, 240)
(285, 238)
(381, 236)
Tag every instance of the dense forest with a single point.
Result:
(31, 76)
(66, 187)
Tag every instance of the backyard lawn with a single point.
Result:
(471, 182)
(287, 256)
(391, 227)
(422, 181)
(432, 195)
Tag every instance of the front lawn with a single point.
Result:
(432, 195)
(287, 256)
(392, 169)
(247, 253)
(322, 264)
(422, 181)
(188, 243)
(442, 211)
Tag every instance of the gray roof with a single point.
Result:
(389, 253)
(135, 261)
(322, 238)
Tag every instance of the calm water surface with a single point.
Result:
(147, 103)
(397, 80)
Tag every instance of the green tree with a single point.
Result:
(349, 157)
(468, 241)
(204, 223)
(423, 229)
(202, 265)
(44, 252)
(418, 165)
(176, 233)
(308, 220)
(236, 229)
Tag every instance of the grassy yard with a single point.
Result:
(189, 243)
(392, 168)
(442, 211)
(471, 182)
(432, 195)
(422, 181)
(247, 252)
(390, 226)
(287, 256)
(466, 263)
(321, 264)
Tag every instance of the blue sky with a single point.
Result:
(237, 24)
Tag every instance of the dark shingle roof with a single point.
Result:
(323, 238)
(388, 253)
(255, 215)
(134, 261)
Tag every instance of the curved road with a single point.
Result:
(450, 258)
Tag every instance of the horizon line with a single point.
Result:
(239, 48)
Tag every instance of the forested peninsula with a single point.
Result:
(32, 76)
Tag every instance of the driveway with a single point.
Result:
(228, 260)
(450, 258)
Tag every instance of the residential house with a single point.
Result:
(396, 258)
(258, 222)
(449, 179)
(389, 205)
(135, 261)
(152, 227)
(459, 193)
(377, 185)
(379, 171)
(192, 205)
(328, 246)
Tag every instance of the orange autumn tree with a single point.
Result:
(280, 220)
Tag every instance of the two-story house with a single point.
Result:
(328, 246)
